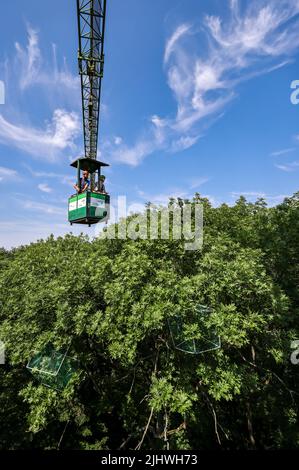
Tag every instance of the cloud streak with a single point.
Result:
(29, 68)
(62, 178)
(184, 193)
(278, 153)
(289, 167)
(46, 209)
(49, 143)
(206, 61)
(252, 196)
(181, 31)
(33, 70)
(7, 174)
(44, 188)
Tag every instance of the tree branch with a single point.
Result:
(291, 392)
(62, 435)
(152, 409)
(145, 430)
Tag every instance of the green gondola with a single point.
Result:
(89, 207)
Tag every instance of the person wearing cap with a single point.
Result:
(101, 185)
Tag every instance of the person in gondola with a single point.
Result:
(101, 185)
(84, 183)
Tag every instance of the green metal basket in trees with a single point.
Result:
(52, 368)
(191, 334)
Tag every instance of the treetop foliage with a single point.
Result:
(108, 303)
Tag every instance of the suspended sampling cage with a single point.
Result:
(52, 368)
(191, 334)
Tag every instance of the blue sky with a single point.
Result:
(196, 97)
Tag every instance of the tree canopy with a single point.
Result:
(108, 304)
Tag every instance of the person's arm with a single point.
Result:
(76, 188)
(85, 187)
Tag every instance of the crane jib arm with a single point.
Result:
(91, 27)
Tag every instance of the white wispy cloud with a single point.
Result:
(163, 198)
(278, 153)
(48, 143)
(245, 45)
(181, 31)
(44, 208)
(118, 140)
(7, 174)
(289, 167)
(44, 187)
(197, 182)
(249, 194)
(29, 59)
(183, 143)
(61, 177)
(174, 192)
(44, 174)
(33, 69)
(252, 196)
(30, 67)
(133, 155)
(206, 61)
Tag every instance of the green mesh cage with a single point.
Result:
(52, 368)
(191, 334)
